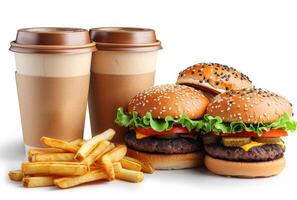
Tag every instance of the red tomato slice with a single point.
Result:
(174, 130)
(271, 133)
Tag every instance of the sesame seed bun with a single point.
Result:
(213, 78)
(244, 169)
(169, 161)
(249, 106)
(169, 100)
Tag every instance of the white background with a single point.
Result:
(257, 37)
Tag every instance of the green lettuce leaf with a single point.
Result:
(135, 121)
(207, 124)
(216, 125)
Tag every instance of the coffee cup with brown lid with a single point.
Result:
(123, 65)
(52, 76)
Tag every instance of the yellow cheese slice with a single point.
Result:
(140, 136)
(247, 147)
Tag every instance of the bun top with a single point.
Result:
(249, 106)
(169, 100)
(213, 77)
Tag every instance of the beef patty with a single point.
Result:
(161, 145)
(256, 154)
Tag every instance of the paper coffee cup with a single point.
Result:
(52, 76)
(123, 66)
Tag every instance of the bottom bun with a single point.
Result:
(169, 161)
(244, 169)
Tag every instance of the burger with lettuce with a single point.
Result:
(244, 133)
(162, 122)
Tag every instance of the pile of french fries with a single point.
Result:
(68, 164)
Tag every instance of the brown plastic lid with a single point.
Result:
(52, 40)
(125, 39)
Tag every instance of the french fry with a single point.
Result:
(114, 155)
(90, 145)
(16, 175)
(126, 174)
(32, 152)
(129, 175)
(91, 176)
(38, 181)
(128, 164)
(47, 157)
(45, 150)
(96, 153)
(60, 144)
(107, 165)
(54, 168)
(145, 167)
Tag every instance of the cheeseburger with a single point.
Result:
(162, 126)
(213, 78)
(245, 128)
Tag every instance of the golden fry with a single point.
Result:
(107, 165)
(129, 175)
(16, 175)
(68, 182)
(32, 152)
(126, 174)
(38, 181)
(96, 153)
(47, 157)
(54, 168)
(145, 167)
(60, 144)
(128, 164)
(91, 144)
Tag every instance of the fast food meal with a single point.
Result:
(161, 130)
(245, 128)
(64, 165)
(172, 126)
(213, 78)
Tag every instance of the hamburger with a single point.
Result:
(162, 121)
(213, 78)
(244, 133)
